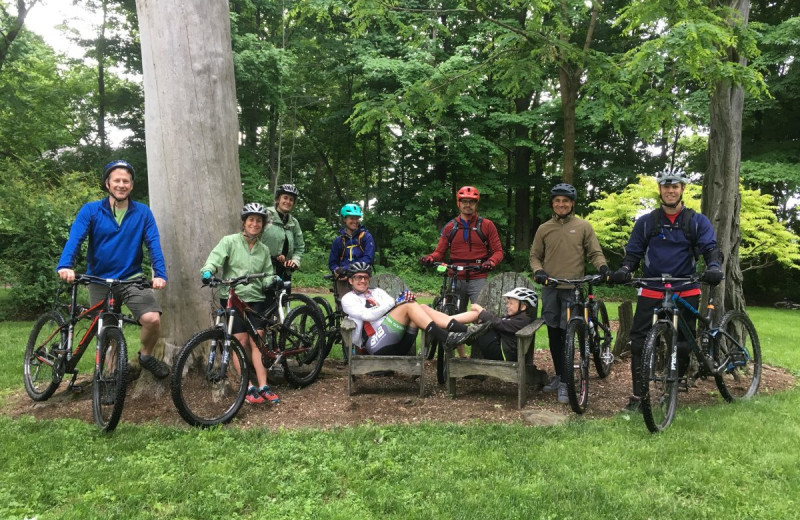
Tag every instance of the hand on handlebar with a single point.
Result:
(427, 261)
(621, 275)
(541, 277)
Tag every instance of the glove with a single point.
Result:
(540, 277)
(621, 275)
(605, 273)
(405, 296)
(712, 276)
(339, 272)
(426, 260)
(206, 277)
(488, 265)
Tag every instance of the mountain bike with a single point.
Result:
(588, 336)
(211, 373)
(786, 303)
(52, 351)
(332, 318)
(729, 352)
(451, 300)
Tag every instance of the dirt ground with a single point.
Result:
(379, 400)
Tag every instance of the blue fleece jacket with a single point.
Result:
(115, 250)
(347, 249)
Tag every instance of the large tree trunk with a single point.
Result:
(191, 134)
(721, 199)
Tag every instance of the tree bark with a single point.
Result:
(191, 133)
(721, 200)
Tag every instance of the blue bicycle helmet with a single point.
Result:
(113, 165)
(566, 190)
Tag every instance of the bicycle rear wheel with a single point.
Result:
(302, 339)
(110, 381)
(601, 341)
(208, 389)
(41, 370)
(576, 365)
(660, 392)
(333, 336)
(737, 350)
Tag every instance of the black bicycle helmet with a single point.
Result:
(567, 190)
(255, 208)
(671, 176)
(288, 189)
(358, 267)
(113, 165)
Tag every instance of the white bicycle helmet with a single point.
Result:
(671, 176)
(523, 294)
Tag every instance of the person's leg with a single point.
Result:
(551, 313)
(144, 307)
(684, 344)
(443, 320)
(473, 288)
(151, 331)
(642, 321)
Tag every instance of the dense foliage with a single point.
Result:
(394, 106)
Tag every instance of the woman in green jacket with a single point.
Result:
(283, 236)
(237, 255)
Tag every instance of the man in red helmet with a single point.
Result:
(472, 240)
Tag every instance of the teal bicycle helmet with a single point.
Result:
(350, 210)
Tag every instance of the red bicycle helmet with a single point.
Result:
(468, 192)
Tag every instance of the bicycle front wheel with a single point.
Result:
(209, 382)
(332, 335)
(110, 381)
(660, 392)
(301, 341)
(41, 365)
(601, 342)
(576, 365)
(737, 353)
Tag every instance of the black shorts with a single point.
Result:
(238, 324)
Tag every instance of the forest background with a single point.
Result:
(396, 105)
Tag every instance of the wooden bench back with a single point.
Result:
(491, 296)
(391, 283)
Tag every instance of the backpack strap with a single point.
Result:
(478, 229)
(687, 225)
(344, 244)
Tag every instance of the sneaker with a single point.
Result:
(472, 333)
(563, 397)
(158, 368)
(634, 405)
(552, 386)
(254, 396)
(268, 395)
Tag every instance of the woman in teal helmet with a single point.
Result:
(353, 244)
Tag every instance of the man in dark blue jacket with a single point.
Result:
(117, 227)
(669, 240)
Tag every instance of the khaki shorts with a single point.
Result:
(139, 301)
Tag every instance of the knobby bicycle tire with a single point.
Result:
(575, 370)
(432, 345)
(333, 335)
(204, 391)
(441, 368)
(660, 383)
(737, 346)
(302, 329)
(41, 366)
(110, 379)
(601, 342)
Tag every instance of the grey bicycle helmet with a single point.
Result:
(255, 208)
(523, 294)
(358, 267)
(113, 165)
(671, 176)
(287, 189)
(566, 190)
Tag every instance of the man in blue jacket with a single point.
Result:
(669, 240)
(117, 227)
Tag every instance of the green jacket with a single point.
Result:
(276, 233)
(236, 259)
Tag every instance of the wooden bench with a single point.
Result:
(361, 364)
(523, 373)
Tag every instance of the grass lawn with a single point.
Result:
(735, 461)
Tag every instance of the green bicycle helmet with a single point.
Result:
(350, 210)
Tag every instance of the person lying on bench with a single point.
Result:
(385, 325)
(495, 336)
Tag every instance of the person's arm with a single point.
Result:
(490, 230)
(354, 306)
(509, 325)
(336, 253)
(77, 234)
(537, 251)
(707, 242)
(443, 244)
(299, 244)
(592, 248)
(153, 242)
(218, 256)
(636, 246)
(369, 247)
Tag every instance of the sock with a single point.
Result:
(437, 332)
(455, 326)
(144, 357)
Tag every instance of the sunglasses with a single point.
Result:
(360, 277)
(468, 201)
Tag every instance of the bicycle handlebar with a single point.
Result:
(86, 279)
(666, 279)
(442, 267)
(594, 279)
(233, 282)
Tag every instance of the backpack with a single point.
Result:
(685, 226)
(478, 229)
(344, 244)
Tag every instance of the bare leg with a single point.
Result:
(151, 330)
(255, 357)
(443, 320)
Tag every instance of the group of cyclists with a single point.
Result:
(669, 240)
